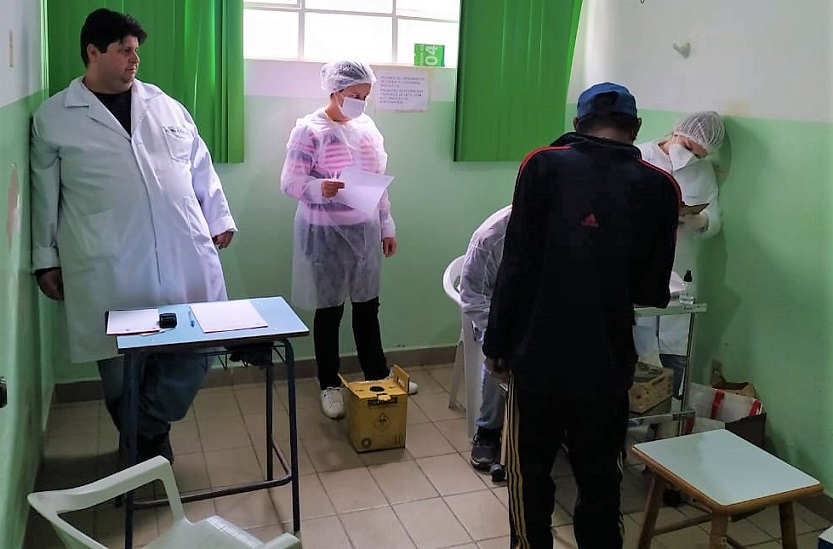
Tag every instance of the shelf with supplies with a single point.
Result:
(663, 412)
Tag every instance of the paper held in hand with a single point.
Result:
(685, 209)
(362, 190)
(137, 321)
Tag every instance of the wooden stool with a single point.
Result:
(725, 474)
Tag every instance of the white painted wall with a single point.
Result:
(20, 61)
(301, 79)
(753, 58)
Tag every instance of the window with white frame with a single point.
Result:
(377, 31)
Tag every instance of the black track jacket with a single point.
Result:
(592, 233)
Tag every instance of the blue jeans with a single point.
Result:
(491, 409)
(676, 363)
(168, 384)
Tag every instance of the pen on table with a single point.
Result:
(191, 317)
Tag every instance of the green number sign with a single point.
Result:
(429, 55)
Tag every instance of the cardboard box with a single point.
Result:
(651, 386)
(377, 412)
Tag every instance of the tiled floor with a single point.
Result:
(423, 496)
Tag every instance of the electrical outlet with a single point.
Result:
(4, 399)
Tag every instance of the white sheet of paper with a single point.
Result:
(222, 316)
(676, 284)
(133, 322)
(362, 190)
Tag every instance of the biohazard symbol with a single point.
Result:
(382, 422)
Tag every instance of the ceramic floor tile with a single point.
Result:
(185, 438)
(385, 456)
(313, 499)
(424, 440)
(304, 464)
(431, 524)
(402, 482)
(328, 454)
(306, 395)
(233, 466)
(442, 374)
(415, 414)
(68, 419)
(109, 526)
(313, 424)
(456, 432)
(256, 426)
(352, 490)
(365, 530)
(496, 543)
(216, 403)
(251, 399)
(267, 533)
(324, 533)
(482, 515)
(435, 406)
(813, 520)
(195, 511)
(450, 474)
(223, 433)
(249, 510)
(427, 383)
(191, 473)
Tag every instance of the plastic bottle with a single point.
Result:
(687, 293)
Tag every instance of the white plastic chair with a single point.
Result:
(210, 533)
(468, 359)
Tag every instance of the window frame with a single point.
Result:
(300, 8)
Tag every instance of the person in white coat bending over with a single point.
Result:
(338, 249)
(684, 156)
(127, 212)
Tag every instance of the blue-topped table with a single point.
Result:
(283, 324)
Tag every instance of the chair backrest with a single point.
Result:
(52, 503)
(451, 279)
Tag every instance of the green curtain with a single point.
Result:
(513, 74)
(194, 52)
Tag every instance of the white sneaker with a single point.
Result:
(412, 386)
(332, 403)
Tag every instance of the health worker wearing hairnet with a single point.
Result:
(684, 156)
(337, 249)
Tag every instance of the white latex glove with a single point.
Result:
(696, 222)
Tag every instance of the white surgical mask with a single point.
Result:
(352, 108)
(680, 156)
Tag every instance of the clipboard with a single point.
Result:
(685, 209)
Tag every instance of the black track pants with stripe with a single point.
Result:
(593, 427)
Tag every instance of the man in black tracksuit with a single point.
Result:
(592, 233)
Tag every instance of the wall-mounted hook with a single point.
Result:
(683, 49)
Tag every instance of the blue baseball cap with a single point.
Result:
(624, 102)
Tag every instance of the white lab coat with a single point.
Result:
(480, 267)
(128, 218)
(698, 184)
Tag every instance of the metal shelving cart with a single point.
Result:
(651, 417)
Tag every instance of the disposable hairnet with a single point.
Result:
(705, 128)
(338, 75)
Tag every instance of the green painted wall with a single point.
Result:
(766, 277)
(436, 204)
(25, 358)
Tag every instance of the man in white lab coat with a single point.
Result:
(127, 212)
